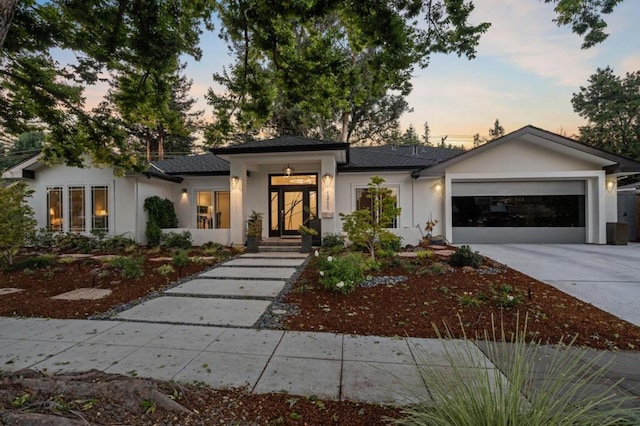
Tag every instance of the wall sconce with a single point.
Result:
(184, 190)
(327, 178)
(611, 184)
(233, 182)
(288, 171)
(438, 187)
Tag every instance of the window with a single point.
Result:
(100, 208)
(213, 210)
(364, 202)
(536, 211)
(77, 209)
(55, 219)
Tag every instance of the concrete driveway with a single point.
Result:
(605, 276)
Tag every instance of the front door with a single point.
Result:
(293, 202)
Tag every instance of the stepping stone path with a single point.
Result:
(10, 290)
(84, 294)
(235, 293)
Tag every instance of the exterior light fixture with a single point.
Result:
(327, 178)
(288, 171)
(610, 185)
(438, 187)
(233, 182)
(184, 190)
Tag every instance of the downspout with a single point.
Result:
(136, 218)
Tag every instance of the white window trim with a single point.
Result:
(66, 218)
(194, 208)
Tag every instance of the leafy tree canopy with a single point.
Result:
(611, 105)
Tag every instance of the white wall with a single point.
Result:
(418, 199)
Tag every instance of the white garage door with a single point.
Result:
(518, 212)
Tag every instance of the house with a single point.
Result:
(528, 186)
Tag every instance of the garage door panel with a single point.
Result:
(575, 235)
(571, 187)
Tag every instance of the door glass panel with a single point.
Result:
(292, 210)
(274, 211)
(294, 180)
(313, 205)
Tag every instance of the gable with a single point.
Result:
(520, 155)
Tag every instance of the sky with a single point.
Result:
(525, 72)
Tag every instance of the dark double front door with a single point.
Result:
(292, 205)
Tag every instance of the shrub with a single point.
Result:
(72, 242)
(116, 243)
(505, 296)
(389, 242)
(181, 260)
(180, 240)
(341, 273)
(16, 220)
(424, 254)
(463, 256)
(566, 389)
(36, 262)
(333, 240)
(161, 214)
(165, 269)
(468, 300)
(212, 247)
(42, 238)
(130, 268)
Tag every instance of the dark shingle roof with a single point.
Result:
(385, 157)
(397, 157)
(281, 144)
(204, 165)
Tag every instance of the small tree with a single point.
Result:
(161, 214)
(369, 227)
(16, 220)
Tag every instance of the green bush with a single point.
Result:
(505, 296)
(333, 240)
(180, 240)
(341, 273)
(389, 242)
(37, 262)
(72, 242)
(116, 243)
(154, 234)
(212, 247)
(565, 389)
(165, 270)
(463, 256)
(181, 259)
(41, 238)
(161, 214)
(130, 268)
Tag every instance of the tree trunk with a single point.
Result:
(7, 10)
(161, 135)
(345, 127)
(148, 138)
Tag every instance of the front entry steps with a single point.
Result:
(275, 245)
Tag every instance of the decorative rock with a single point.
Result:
(76, 255)
(161, 259)
(407, 254)
(444, 253)
(278, 312)
(376, 281)
(10, 290)
(468, 269)
(84, 294)
(437, 247)
(105, 257)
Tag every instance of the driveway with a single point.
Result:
(605, 276)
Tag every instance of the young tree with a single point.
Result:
(477, 140)
(426, 136)
(16, 220)
(611, 106)
(497, 131)
(368, 228)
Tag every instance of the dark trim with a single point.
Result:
(216, 173)
(28, 174)
(381, 169)
(162, 176)
(280, 148)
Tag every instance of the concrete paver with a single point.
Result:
(157, 363)
(194, 310)
(247, 341)
(261, 262)
(376, 349)
(248, 273)
(84, 294)
(310, 345)
(276, 255)
(222, 370)
(74, 330)
(605, 276)
(129, 334)
(86, 356)
(229, 287)
(25, 354)
(299, 376)
(382, 383)
(186, 336)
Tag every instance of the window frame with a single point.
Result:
(210, 217)
(393, 187)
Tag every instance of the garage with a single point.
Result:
(543, 211)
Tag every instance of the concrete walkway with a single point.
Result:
(605, 276)
(235, 293)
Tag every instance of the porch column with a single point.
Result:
(328, 192)
(236, 195)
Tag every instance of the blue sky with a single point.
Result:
(525, 72)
